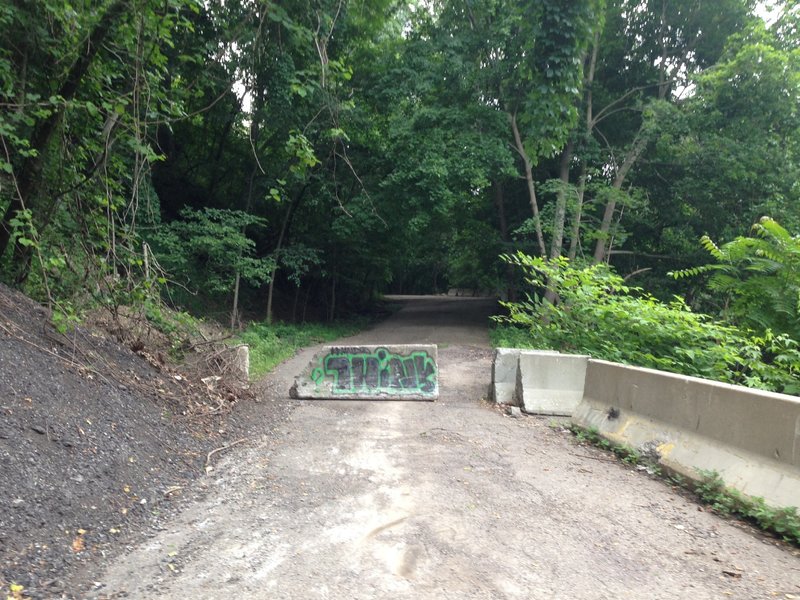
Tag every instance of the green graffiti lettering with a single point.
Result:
(355, 370)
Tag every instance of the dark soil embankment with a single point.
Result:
(96, 445)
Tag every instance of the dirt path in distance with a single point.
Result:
(450, 499)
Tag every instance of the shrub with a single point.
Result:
(596, 313)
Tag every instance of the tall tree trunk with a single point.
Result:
(575, 230)
(640, 142)
(305, 303)
(639, 145)
(557, 241)
(30, 173)
(332, 314)
(281, 237)
(238, 281)
(235, 310)
(294, 305)
(526, 161)
(500, 205)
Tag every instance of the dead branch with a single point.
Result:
(221, 449)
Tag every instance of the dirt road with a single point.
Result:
(450, 499)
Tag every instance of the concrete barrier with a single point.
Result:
(504, 375)
(241, 362)
(505, 366)
(751, 438)
(401, 372)
(549, 383)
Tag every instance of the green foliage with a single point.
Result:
(209, 247)
(730, 154)
(758, 277)
(272, 344)
(598, 314)
(64, 317)
(371, 137)
(180, 327)
(784, 522)
(554, 36)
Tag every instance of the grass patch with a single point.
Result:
(272, 344)
(509, 336)
(711, 490)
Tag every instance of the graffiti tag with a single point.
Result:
(355, 370)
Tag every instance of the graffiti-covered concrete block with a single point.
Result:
(402, 372)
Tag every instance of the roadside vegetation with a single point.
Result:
(595, 312)
(272, 344)
(709, 488)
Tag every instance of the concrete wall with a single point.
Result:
(751, 438)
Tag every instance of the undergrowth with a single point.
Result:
(710, 489)
(627, 454)
(783, 522)
(600, 315)
(272, 344)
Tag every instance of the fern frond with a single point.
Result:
(708, 244)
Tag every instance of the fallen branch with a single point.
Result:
(205, 342)
(220, 449)
(600, 458)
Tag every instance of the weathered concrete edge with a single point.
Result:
(301, 390)
(296, 394)
(504, 375)
(696, 424)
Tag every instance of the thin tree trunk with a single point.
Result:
(294, 305)
(556, 243)
(639, 146)
(284, 228)
(640, 142)
(254, 130)
(575, 231)
(500, 205)
(537, 222)
(235, 310)
(333, 298)
(305, 304)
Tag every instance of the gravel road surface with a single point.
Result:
(451, 499)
